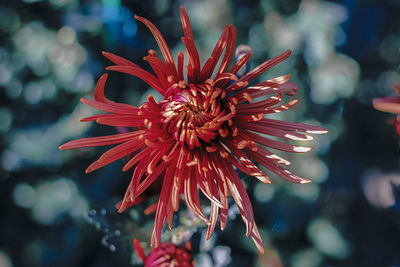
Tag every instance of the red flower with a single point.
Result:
(390, 104)
(166, 254)
(202, 129)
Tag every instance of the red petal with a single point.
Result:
(99, 90)
(260, 106)
(162, 45)
(280, 108)
(95, 117)
(194, 60)
(229, 50)
(111, 107)
(139, 156)
(116, 153)
(213, 220)
(223, 77)
(131, 203)
(151, 178)
(160, 69)
(187, 27)
(240, 63)
(118, 60)
(149, 78)
(262, 68)
(292, 126)
(180, 66)
(255, 127)
(265, 66)
(224, 211)
(130, 193)
(387, 104)
(244, 164)
(261, 89)
(101, 140)
(210, 64)
(268, 156)
(121, 120)
(279, 170)
(192, 197)
(240, 196)
(188, 40)
(139, 250)
(277, 145)
(256, 237)
(162, 206)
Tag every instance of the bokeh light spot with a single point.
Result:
(24, 195)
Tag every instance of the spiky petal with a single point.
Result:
(204, 127)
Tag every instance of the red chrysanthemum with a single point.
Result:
(166, 254)
(201, 131)
(390, 104)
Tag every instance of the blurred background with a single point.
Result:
(344, 54)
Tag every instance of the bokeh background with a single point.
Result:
(344, 54)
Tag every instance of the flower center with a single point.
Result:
(196, 114)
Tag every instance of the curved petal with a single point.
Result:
(387, 104)
(169, 60)
(188, 40)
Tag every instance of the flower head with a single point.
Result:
(166, 254)
(206, 126)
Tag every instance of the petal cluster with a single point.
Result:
(209, 123)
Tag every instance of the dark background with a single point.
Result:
(345, 53)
